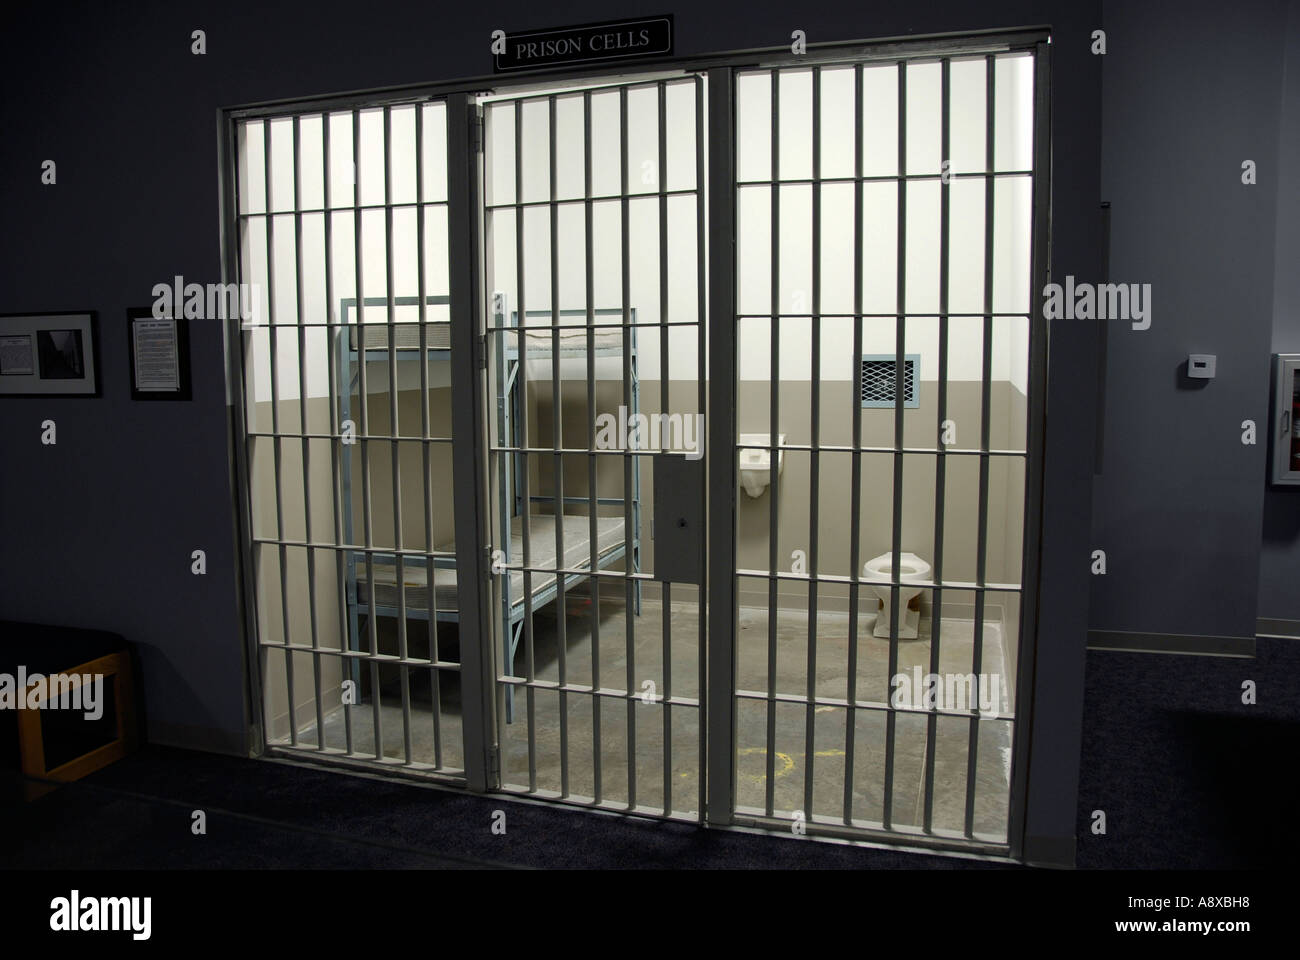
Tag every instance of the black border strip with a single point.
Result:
(1189, 644)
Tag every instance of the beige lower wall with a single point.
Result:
(271, 612)
(795, 495)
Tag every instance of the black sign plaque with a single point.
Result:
(591, 43)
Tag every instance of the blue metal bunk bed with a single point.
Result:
(612, 542)
(437, 342)
(435, 598)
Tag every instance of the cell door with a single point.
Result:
(594, 294)
(348, 366)
(888, 380)
(510, 345)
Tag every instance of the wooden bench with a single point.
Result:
(46, 738)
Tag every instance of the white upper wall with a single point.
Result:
(1012, 201)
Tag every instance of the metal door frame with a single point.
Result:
(520, 93)
(722, 482)
(469, 476)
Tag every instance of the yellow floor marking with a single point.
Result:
(786, 761)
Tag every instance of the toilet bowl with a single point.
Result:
(910, 567)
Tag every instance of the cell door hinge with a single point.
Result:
(482, 351)
(476, 129)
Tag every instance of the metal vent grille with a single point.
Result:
(879, 380)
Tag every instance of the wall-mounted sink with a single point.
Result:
(756, 461)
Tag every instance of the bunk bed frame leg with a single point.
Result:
(354, 629)
(345, 414)
(512, 644)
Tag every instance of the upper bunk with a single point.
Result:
(569, 340)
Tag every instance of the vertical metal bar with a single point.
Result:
(1039, 274)
(557, 436)
(234, 351)
(507, 426)
(468, 458)
(521, 440)
(701, 386)
(273, 341)
(507, 435)
(855, 482)
(349, 557)
(335, 335)
(664, 378)
(814, 458)
(306, 444)
(941, 461)
(430, 567)
(394, 431)
(977, 656)
(665, 375)
(592, 479)
(774, 413)
(629, 456)
(364, 437)
(721, 632)
(900, 327)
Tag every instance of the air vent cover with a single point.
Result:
(879, 379)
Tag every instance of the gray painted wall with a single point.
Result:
(1187, 98)
(1279, 561)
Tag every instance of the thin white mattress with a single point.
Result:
(573, 341)
(437, 336)
(406, 336)
(542, 553)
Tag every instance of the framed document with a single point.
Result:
(160, 356)
(49, 354)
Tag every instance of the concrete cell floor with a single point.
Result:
(667, 736)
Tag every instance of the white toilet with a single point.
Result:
(910, 567)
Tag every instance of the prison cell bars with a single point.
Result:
(430, 566)
(364, 439)
(630, 463)
(273, 339)
(394, 429)
(335, 426)
(984, 452)
(896, 535)
(306, 442)
(525, 514)
(420, 206)
(941, 462)
(557, 442)
(814, 464)
(630, 575)
(665, 378)
(981, 559)
(701, 400)
(855, 548)
(774, 455)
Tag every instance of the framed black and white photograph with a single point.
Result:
(48, 354)
(159, 356)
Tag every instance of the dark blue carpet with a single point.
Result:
(1188, 776)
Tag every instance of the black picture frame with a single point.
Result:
(84, 380)
(182, 391)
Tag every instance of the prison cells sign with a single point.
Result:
(592, 43)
